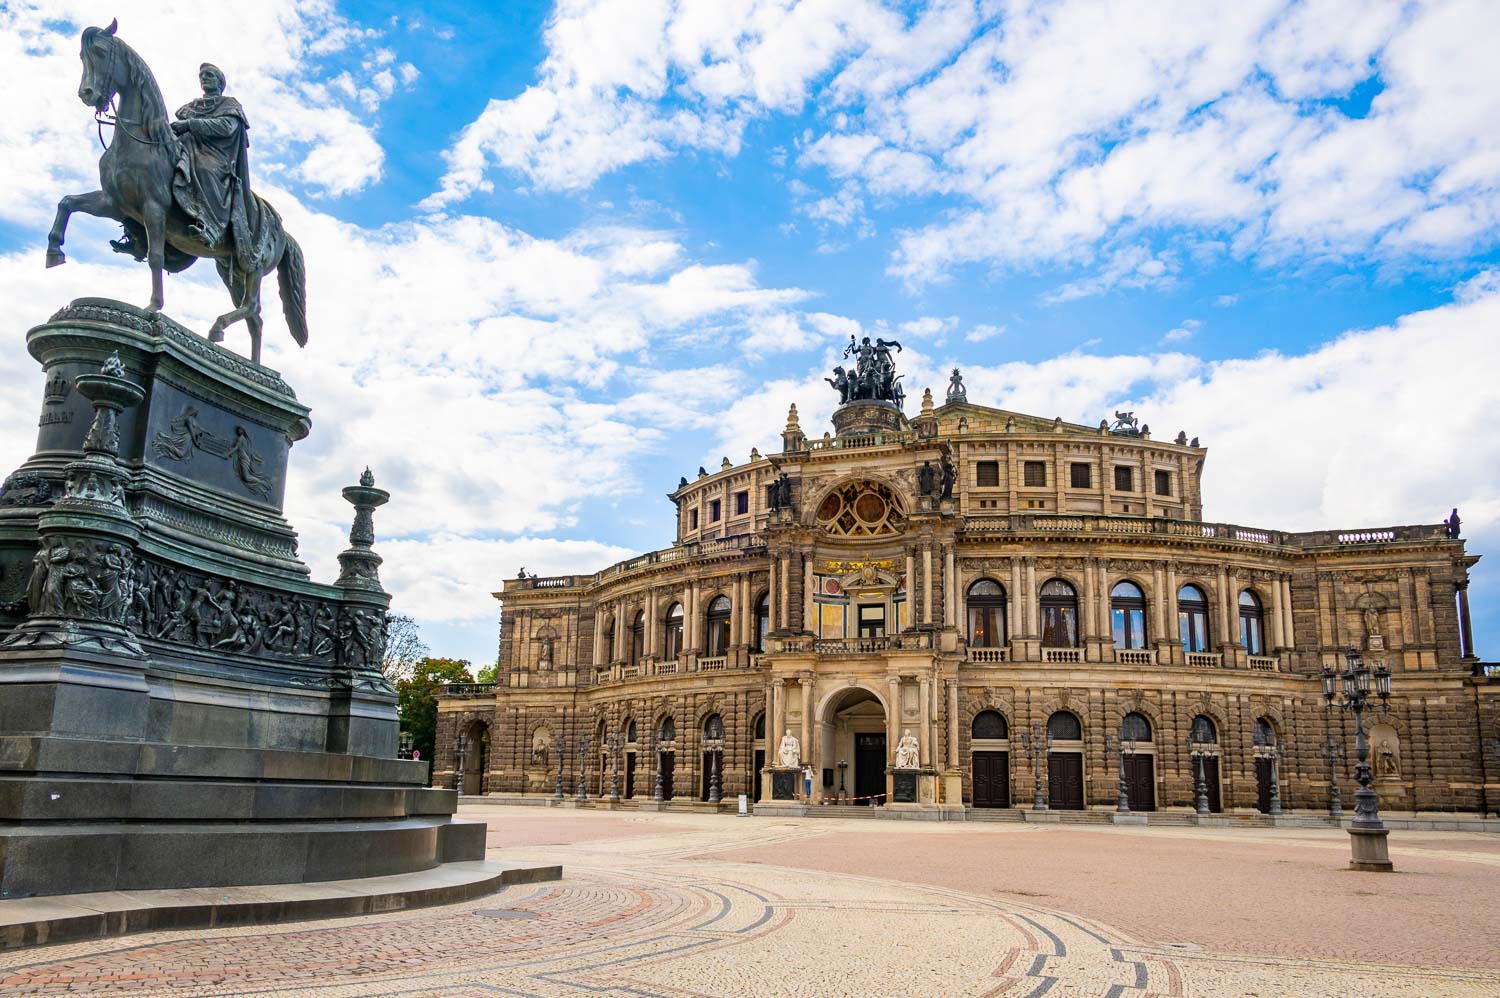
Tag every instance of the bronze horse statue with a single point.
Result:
(138, 172)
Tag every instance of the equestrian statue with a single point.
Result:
(181, 188)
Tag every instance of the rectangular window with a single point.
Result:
(1124, 478)
(692, 519)
(871, 620)
(1034, 473)
(715, 507)
(1083, 477)
(987, 474)
(741, 503)
(1163, 483)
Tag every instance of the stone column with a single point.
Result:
(911, 586)
(1170, 631)
(1277, 636)
(1014, 622)
(771, 598)
(1465, 628)
(1033, 626)
(924, 737)
(778, 717)
(953, 724)
(694, 621)
(893, 720)
(1289, 620)
(927, 583)
(598, 636)
(1159, 604)
(806, 683)
(650, 639)
(950, 584)
(1088, 611)
(783, 578)
(1224, 636)
(809, 621)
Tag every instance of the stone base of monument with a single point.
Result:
(33, 922)
(180, 705)
(1370, 851)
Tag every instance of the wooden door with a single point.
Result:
(1263, 785)
(869, 767)
(1211, 783)
(1065, 781)
(1140, 782)
(760, 763)
(629, 774)
(668, 764)
(992, 779)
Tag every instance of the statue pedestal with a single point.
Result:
(1369, 850)
(180, 706)
(786, 783)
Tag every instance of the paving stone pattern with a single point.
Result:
(657, 909)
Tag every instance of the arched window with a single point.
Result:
(1135, 727)
(990, 724)
(637, 637)
(630, 732)
(672, 632)
(713, 727)
(987, 614)
(1204, 731)
(1127, 607)
(667, 732)
(1265, 732)
(1252, 624)
(718, 627)
(1192, 618)
(760, 727)
(1059, 615)
(762, 621)
(1063, 726)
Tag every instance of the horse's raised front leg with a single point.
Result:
(93, 203)
(247, 296)
(155, 223)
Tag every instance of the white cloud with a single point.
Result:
(983, 331)
(1225, 301)
(1183, 331)
(1059, 132)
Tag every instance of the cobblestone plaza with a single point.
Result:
(681, 904)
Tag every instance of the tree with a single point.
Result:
(404, 647)
(417, 696)
(489, 673)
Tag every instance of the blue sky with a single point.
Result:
(561, 255)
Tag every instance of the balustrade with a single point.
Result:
(1134, 656)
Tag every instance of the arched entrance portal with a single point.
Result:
(853, 756)
(475, 752)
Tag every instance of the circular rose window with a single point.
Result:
(861, 509)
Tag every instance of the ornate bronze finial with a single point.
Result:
(359, 565)
(368, 478)
(113, 366)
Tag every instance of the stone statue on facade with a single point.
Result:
(1453, 523)
(1125, 425)
(907, 752)
(181, 188)
(926, 479)
(1371, 617)
(789, 753)
(956, 390)
(781, 492)
(541, 746)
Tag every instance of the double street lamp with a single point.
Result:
(1351, 690)
(1037, 742)
(1333, 754)
(1123, 747)
(1200, 747)
(583, 768)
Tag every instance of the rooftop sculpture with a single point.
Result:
(874, 377)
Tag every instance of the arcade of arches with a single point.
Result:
(1003, 596)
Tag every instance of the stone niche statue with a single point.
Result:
(907, 752)
(541, 746)
(789, 754)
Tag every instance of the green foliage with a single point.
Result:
(417, 699)
(488, 673)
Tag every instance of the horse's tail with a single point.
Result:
(291, 278)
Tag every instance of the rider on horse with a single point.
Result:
(211, 184)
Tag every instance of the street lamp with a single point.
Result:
(1266, 748)
(1123, 746)
(843, 765)
(583, 768)
(1037, 742)
(562, 742)
(1199, 744)
(458, 764)
(612, 743)
(715, 748)
(1333, 754)
(1350, 690)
